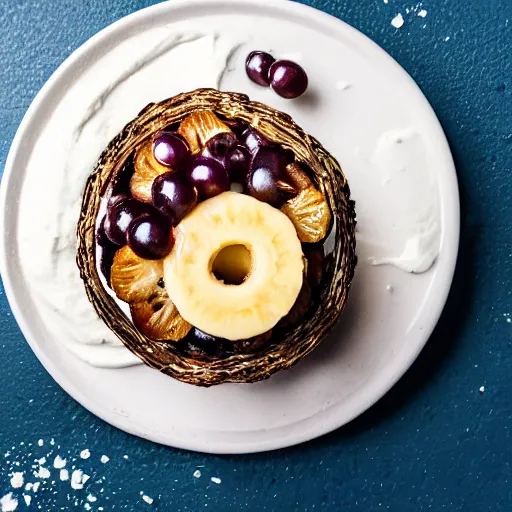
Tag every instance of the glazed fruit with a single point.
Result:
(120, 214)
(237, 164)
(133, 278)
(146, 169)
(140, 283)
(268, 180)
(174, 195)
(288, 79)
(209, 177)
(200, 127)
(253, 140)
(150, 236)
(273, 273)
(220, 145)
(200, 345)
(308, 210)
(169, 149)
(257, 67)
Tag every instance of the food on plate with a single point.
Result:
(209, 217)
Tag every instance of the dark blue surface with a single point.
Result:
(435, 442)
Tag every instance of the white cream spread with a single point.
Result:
(407, 232)
(86, 119)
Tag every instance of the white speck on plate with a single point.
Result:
(104, 459)
(52, 441)
(397, 21)
(447, 38)
(197, 474)
(422, 13)
(482, 389)
(59, 462)
(27, 499)
(341, 85)
(147, 499)
(17, 480)
(64, 475)
(125, 457)
(215, 480)
(386, 1)
(40, 442)
(35, 487)
(8, 503)
(85, 454)
(91, 498)
(87, 506)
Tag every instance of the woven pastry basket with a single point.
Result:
(328, 176)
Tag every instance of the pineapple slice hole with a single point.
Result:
(232, 264)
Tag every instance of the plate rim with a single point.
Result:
(449, 251)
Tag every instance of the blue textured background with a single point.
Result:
(435, 442)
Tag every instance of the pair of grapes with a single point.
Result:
(285, 77)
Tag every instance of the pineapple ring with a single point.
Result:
(215, 238)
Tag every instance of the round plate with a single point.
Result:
(357, 93)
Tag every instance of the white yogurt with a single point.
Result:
(86, 120)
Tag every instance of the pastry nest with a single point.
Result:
(300, 340)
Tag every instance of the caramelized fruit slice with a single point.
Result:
(308, 210)
(158, 318)
(140, 282)
(133, 278)
(147, 168)
(199, 127)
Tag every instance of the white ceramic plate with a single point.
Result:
(357, 93)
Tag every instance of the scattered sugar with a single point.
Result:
(64, 475)
(125, 457)
(482, 389)
(87, 506)
(104, 459)
(27, 499)
(147, 499)
(78, 479)
(447, 38)
(8, 503)
(35, 488)
(59, 462)
(17, 480)
(85, 454)
(40, 442)
(397, 21)
(41, 461)
(197, 473)
(422, 13)
(52, 441)
(91, 498)
(215, 480)
(42, 472)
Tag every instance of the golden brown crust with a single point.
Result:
(339, 266)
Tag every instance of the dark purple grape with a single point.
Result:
(200, 345)
(174, 195)
(101, 236)
(120, 215)
(237, 164)
(257, 67)
(268, 180)
(169, 149)
(150, 236)
(253, 140)
(121, 185)
(107, 259)
(209, 176)
(219, 145)
(288, 79)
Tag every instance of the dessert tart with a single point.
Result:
(217, 238)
